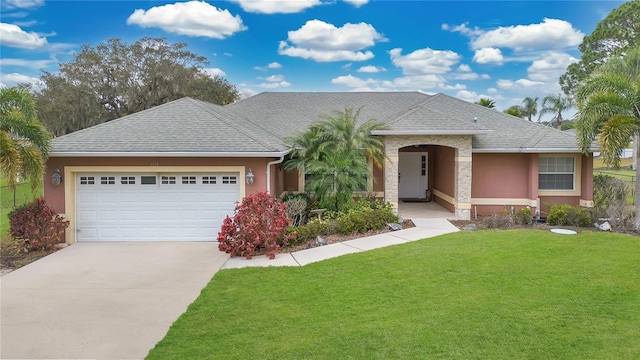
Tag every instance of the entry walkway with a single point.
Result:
(424, 228)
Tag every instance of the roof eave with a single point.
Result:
(167, 154)
(531, 150)
(431, 132)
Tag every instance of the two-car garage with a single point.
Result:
(179, 206)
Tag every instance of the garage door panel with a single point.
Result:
(118, 207)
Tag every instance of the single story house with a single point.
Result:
(173, 172)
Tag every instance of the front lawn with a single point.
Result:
(470, 295)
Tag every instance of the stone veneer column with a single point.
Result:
(391, 175)
(463, 181)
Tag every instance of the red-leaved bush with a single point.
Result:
(37, 225)
(259, 224)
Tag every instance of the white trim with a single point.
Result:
(530, 150)
(167, 154)
(577, 177)
(431, 132)
(504, 201)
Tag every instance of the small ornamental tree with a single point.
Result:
(259, 224)
(37, 225)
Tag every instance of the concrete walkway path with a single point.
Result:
(424, 228)
(101, 300)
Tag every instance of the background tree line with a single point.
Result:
(115, 79)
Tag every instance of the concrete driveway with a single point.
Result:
(101, 301)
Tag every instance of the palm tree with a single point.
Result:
(556, 105)
(486, 103)
(514, 110)
(335, 150)
(24, 141)
(529, 107)
(609, 110)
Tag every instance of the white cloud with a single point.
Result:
(274, 85)
(21, 4)
(452, 87)
(271, 66)
(323, 42)
(13, 36)
(424, 61)
(275, 78)
(551, 33)
(276, 6)
(213, 72)
(357, 3)
(521, 85)
(193, 18)
(371, 69)
(465, 76)
(551, 67)
(492, 91)
(416, 82)
(464, 68)
(352, 81)
(488, 56)
(13, 79)
(23, 63)
(463, 29)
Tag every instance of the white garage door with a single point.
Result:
(153, 207)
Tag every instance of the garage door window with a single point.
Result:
(209, 180)
(188, 179)
(128, 180)
(168, 180)
(87, 180)
(147, 180)
(229, 179)
(108, 180)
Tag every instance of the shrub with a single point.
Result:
(308, 231)
(37, 226)
(498, 221)
(524, 216)
(296, 210)
(566, 214)
(363, 217)
(259, 224)
(610, 200)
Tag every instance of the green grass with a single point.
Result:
(521, 294)
(23, 196)
(599, 164)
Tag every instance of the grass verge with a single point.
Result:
(469, 295)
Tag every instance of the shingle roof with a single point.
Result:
(509, 133)
(185, 125)
(260, 124)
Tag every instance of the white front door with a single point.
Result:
(413, 175)
(153, 207)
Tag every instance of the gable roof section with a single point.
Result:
(182, 127)
(509, 133)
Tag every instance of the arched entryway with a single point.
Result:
(439, 164)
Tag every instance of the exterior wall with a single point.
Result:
(460, 200)
(509, 182)
(62, 198)
(586, 198)
(291, 180)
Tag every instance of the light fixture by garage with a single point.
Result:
(250, 177)
(56, 178)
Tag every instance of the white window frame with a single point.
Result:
(577, 169)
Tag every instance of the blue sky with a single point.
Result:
(503, 50)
